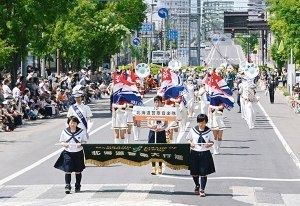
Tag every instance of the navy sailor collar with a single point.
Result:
(205, 131)
(77, 132)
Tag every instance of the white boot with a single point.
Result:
(219, 145)
(136, 133)
(216, 151)
(117, 141)
(174, 139)
(127, 138)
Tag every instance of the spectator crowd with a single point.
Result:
(34, 97)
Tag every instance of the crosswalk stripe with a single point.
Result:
(88, 191)
(135, 192)
(30, 193)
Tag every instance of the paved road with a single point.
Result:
(253, 168)
(221, 52)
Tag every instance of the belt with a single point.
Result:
(118, 108)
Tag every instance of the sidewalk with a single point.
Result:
(284, 118)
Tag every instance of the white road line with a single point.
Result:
(281, 138)
(234, 178)
(30, 167)
(236, 47)
(133, 192)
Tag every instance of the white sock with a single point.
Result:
(124, 141)
(136, 132)
(117, 141)
(127, 138)
(219, 143)
(174, 140)
(216, 146)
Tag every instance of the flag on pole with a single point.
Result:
(218, 91)
(125, 90)
(172, 85)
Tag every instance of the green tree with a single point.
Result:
(284, 24)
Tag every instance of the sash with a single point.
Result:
(80, 115)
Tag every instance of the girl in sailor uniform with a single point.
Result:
(157, 128)
(72, 158)
(201, 139)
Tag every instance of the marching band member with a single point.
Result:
(157, 133)
(82, 112)
(119, 121)
(203, 98)
(201, 162)
(72, 158)
(217, 124)
(244, 95)
(249, 111)
(190, 89)
(130, 121)
(173, 128)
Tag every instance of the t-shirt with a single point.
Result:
(194, 135)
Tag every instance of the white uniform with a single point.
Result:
(249, 111)
(80, 136)
(86, 112)
(203, 100)
(217, 119)
(119, 117)
(190, 88)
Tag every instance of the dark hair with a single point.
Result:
(202, 117)
(158, 98)
(74, 119)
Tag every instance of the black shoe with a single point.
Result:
(77, 187)
(197, 188)
(68, 189)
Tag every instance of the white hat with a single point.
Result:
(190, 79)
(77, 93)
(5, 102)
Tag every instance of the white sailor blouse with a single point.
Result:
(197, 136)
(77, 137)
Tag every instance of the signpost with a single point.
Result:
(163, 13)
(136, 41)
(172, 35)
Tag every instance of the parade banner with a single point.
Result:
(174, 156)
(154, 113)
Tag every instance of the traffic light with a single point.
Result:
(160, 34)
(232, 35)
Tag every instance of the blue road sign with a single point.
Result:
(163, 13)
(147, 27)
(172, 35)
(136, 41)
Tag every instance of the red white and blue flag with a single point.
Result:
(125, 89)
(219, 92)
(172, 85)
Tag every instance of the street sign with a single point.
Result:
(136, 41)
(246, 36)
(146, 27)
(172, 34)
(163, 13)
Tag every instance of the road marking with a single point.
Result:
(281, 138)
(133, 192)
(30, 167)
(234, 178)
(237, 51)
(245, 194)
